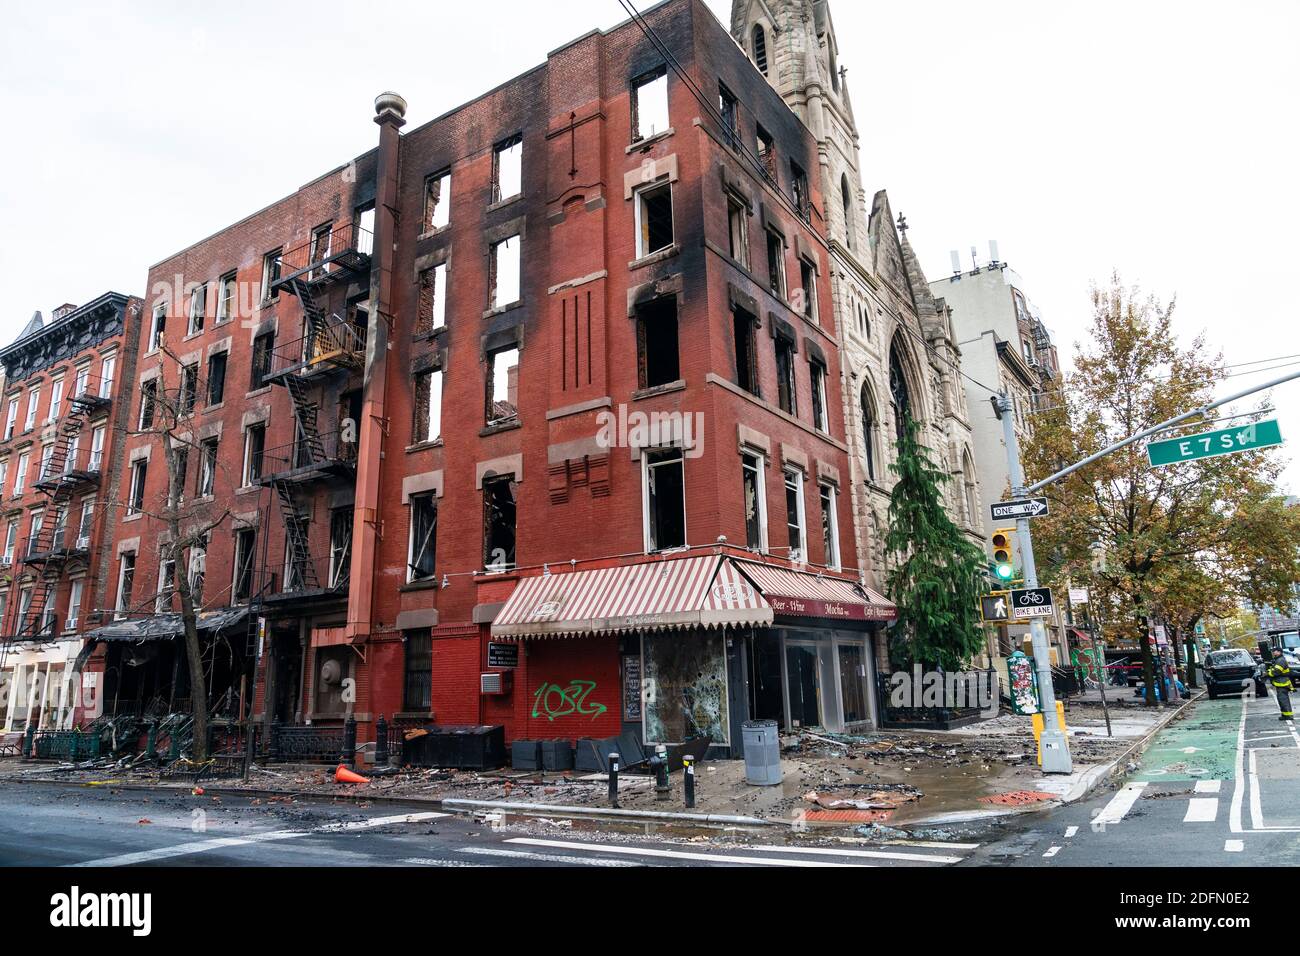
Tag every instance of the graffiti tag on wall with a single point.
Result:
(552, 700)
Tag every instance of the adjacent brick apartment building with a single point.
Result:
(531, 416)
(60, 443)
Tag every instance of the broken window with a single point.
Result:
(148, 402)
(125, 581)
(166, 583)
(254, 447)
(189, 389)
(650, 104)
(503, 386)
(785, 380)
(508, 169)
(417, 684)
(799, 190)
(503, 283)
(340, 547)
(729, 110)
(776, 264)
(751, 467)
(685, 687)
(198, 569)
(794, 513)
(830, 528)
(198, 308)
(654, 218)
(296, 559)
(207, 467)
(427, 422)
(423, 545)
(432, 310)
(657, 347)
(158, 327)
(262, 347)
(821, 415)
(135, 499)
(808, 289)
(746, 350)
(217, 378)
(245, 548)
(437, 201)
(738, 231)
(363, 219)
(766, 147)
(664, 484)
(176, 488)
(271, 266)
(499, 523)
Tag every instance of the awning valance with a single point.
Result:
(672, 594)
(164, 627)
(801, 594)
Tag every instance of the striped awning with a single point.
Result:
(801, 594)
(673, 594)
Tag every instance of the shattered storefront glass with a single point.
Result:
(685, 685)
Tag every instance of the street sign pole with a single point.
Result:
(1054, 744)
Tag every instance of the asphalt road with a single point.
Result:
(1216, 788)
(51, 825)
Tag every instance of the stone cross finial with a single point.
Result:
(902, 223)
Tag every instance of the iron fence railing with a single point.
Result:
(328, 342)
(344, 246)
(334, 448)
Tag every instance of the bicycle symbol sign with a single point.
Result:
(1032, 602)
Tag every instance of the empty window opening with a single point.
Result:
(657, 347)
(428, 407)
(785, 378)
(437, 201)
(650, 104)
(759, 47)
(499, 523)
(654, 218)
(423, 545)
(751, 467)
(504, 280)
(665, 499)
(776, 264)
(503, 386)
(508, 169)
(746, 350)
(794, 513)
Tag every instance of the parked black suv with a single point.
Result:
(1231, 672)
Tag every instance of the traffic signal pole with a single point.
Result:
(1054, 745)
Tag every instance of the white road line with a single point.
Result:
(674, 854)
(203, 846)
(1121, 803)
(1238, 776)
(1256, 810)
(1233, 846)
(373, 822)
(1201, 810)
(1208, 786)
(1070, 831)
(1053, 851)
(933, 844)
(427, 861)
(872, 854)
(1254, 740)
(544, 857)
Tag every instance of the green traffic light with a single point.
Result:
(1005, 571)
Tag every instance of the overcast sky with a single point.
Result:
(1158, 137)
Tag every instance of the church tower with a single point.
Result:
(899, 356)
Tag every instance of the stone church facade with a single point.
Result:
(898, 345)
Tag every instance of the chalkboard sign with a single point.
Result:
(632, 687)
(503, 655)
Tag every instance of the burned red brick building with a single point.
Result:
(531, 416)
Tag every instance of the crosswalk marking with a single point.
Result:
(1202, 810)
(544, 857)
(1070, 831)
(874, 854)
(1052, 851)
(373, 822)
(1121, 803)
(674, 854)
(1208, 786)
(1234, 846)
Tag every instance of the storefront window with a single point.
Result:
(685, 685)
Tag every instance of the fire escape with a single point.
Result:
(331, 344)
(51, 548)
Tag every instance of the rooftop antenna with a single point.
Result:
(956, 262)
(974, 263)
(993, 252)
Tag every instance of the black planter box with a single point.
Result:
(480, 747)
(526, 754)
(557, 755)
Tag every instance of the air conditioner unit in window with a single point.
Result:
(494, 684)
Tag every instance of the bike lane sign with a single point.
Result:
(1032, 602)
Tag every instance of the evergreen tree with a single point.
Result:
(938, 575)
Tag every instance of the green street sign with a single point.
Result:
(1223, 442)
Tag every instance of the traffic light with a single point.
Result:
(1004, 562)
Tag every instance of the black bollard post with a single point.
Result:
(381, 742)
(349, 755)
(688, 778)
(663, 790)
(613, 779)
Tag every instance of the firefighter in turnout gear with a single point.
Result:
(1280, 674)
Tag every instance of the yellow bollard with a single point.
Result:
(1039, 724)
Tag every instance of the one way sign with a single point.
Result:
(1019, 508)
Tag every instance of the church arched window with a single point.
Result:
(759, 38)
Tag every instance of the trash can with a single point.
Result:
(762, 753)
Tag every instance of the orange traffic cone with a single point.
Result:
(344, 775)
